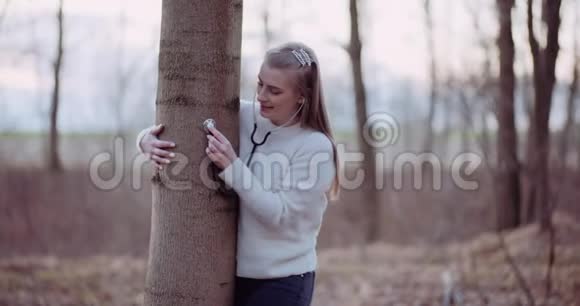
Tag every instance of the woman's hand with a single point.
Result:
(155, 148)
(219, 149)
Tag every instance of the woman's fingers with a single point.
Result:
(217, 144)
(215, 156)
(216, 147)
(163, 144)
(156, 130)
(212, 156)
(159, 159)
(224, 148)
(163, 153)
(213, 144)
(212, 148)
(220, 137)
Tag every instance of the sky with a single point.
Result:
(395, 54)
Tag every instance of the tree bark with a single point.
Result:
(371, 201)
(536, 187)
(193, 228)
(486, 87)
(564, 146)
(507, 171)
(3, 12)
(123, 77)
(430, 134)
(54, 163)
(268, 35)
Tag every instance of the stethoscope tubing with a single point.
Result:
(256, 144)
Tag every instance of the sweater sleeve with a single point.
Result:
(305, 183)
(140, 137)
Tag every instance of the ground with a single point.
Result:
(471, 273)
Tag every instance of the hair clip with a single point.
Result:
(303, 57)
(306, 56)
(298, 56)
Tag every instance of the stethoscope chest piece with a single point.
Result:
(207, 124)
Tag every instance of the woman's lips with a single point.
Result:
(265, 108)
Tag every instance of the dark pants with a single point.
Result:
(294, 290)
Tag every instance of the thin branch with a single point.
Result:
(433, 94)
(534, 45)
(554, 201)
(563, 147)
(3, 12)
(551, 260)
(466, 111)
(482, 297)
(517, 272)
(55, 163)
(552, 20)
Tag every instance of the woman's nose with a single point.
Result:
(261, 94)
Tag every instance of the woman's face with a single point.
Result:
(277, 95)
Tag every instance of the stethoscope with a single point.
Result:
(257, 144)
(211, 123)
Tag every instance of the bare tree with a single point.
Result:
(466, 120)
(54, 162)
(536, 205)
(430, 135)
(485, 83)
(127, 69)
(507, 170)
(268, 35)
(193, 228)
(123, 76)
(3, 12)
(563, 147)
(372, 203)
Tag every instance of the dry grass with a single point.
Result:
(381, 274)
(476, 270)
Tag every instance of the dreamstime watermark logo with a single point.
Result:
(117, 163)
(278, 171)
(381, 130)
(422, 164)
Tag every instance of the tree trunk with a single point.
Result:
(447, 114)
(466, 118)
(3, 12)
(371, 201)
(193, 227)
(485, 138)
(486, 87)
(571, 103)
(123, 76)
(429, 133)
(570, 113)
(507, 171)
(54, 163)
(536, 187)
(268, 35)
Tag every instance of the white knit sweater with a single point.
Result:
(282, 197)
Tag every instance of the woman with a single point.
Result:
(287, 165)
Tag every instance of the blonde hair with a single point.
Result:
(307, 81)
